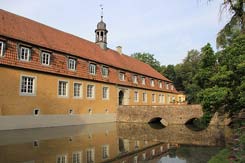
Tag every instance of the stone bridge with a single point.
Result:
(175, 134)
(168, 114)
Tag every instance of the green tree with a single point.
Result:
(235, 26)
(206, 68)
(224, 89)
(148, 59)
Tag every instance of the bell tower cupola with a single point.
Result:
(101, 32)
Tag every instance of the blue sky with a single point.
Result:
(167, 29)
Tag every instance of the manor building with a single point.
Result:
(52, 78)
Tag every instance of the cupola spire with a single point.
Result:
(101, 32)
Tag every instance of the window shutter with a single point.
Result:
(4, 48)
(30, 55)
(18, 51)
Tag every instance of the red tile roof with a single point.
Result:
(30, 31)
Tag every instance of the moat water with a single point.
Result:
(112, 142)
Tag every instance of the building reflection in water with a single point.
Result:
(109, 142)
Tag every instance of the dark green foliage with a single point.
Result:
(148, 59)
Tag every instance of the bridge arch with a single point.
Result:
(158, 120)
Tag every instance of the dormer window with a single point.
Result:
(143, 80)
(45, 58)
(152, 83)
(105, 71)
(71, 64)
(160, 84)
(122, 76)
(92, 69)
(24, 53)
(135, 80)
(172, 87)
(2, 45)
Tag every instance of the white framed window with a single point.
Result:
(143, 80)
(105, 151)
(163, 99)
(77, 157)
(136, 96)
(105, 71)
(136, 144)
(105, 93)
(71, 64)
(161, 148)
(153, 152)
(173, 99)
(90, 155)
(172, 87)
(144, 97)
(135, 79)
(77, 90)
(90, 91)
(92, 69)
(27, 85)
(135, 159)
(45, 58)
(2, 45)
(143, 156)
(24, 53)
(168, 99)
(160, 84)
(160, 98)
(63, 88)
(167, 86)
(153, 97)
(152, 83)
(61, 159)
(122, 76)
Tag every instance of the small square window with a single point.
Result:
(92, 69)
(122, 76)
(160, 84)
(152, 83)
(105, 71)
(24, 53)
(45, 58)
(36, 112)
(71, 64)
(143, 80)
(135, 79)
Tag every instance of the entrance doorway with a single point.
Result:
(121, 95)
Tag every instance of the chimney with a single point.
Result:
(119, 49)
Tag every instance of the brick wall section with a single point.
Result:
(172, 114)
